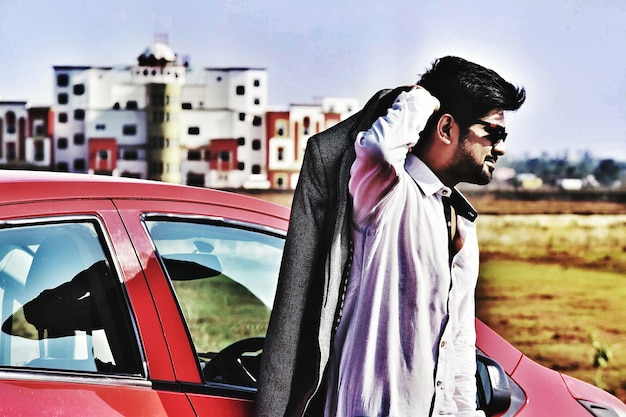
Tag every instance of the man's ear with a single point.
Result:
(444, 126)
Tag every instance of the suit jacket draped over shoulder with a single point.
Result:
(315, 262)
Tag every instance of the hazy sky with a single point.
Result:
(569, 54)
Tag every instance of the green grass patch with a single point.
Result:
(219, 311)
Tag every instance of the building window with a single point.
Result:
(256, 144)
(11, 123)
(256, 169)
(79, 114)
(241, 166)
(63, 80)
(131, 155)
(62, 143)
(156, 168)
(63, 98)
(62, 167)
(156, 142)
(39, 151)
(187, 106)
(280, 131)
(79, 139)
(306, 123)
(62, 117)
(241, 90)
(80, 164)
(196, 180)
(257, 83)
(131, 105)
(40, 129)
(79, 89)
(242, 116)
(225, 156)
(11, 151)
(194, 155)
(128, 174)
(129, 130)
(193, 130)
(281, 153)
(257, 101)
(101, 126)
(241, 141)
(257, 121)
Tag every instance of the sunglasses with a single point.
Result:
(496, 133)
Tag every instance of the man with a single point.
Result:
(374, 310)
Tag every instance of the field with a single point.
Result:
(553, 286)
(553, 281)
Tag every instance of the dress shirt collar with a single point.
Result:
(428, 182)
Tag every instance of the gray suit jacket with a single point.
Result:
(315, 262)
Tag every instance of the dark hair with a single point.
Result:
(469, 91)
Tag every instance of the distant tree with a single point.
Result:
(586, 164)
(607, 172)
(553, 168)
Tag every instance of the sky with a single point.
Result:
(570, 55)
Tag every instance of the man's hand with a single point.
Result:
(421, 105)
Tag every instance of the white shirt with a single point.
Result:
(405, 343)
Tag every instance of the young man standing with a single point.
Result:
(374, 314)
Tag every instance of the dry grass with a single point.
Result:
(551, 283)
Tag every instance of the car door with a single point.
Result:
(221, 264)
(70, 342)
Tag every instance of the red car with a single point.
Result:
(124, 297)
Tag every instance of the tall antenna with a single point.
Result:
(162, 26)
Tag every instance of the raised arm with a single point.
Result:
(381, 150)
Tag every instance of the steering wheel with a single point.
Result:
(229, 367)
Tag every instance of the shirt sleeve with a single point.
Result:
(381, 150)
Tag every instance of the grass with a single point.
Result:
(552, 285)
(220, 311)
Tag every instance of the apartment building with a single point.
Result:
(162, 119)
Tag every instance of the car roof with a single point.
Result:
(28, 186)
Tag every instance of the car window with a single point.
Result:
(224, 276)
(62, 307)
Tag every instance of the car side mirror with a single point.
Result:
(493, 388)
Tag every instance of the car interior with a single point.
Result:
(62, 307)
(224, 276)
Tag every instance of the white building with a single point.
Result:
(161, 120)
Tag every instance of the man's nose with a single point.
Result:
(499, 148)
